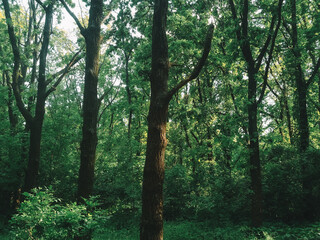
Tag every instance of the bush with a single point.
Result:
(282, 184)
(176, 192)
(41, 216)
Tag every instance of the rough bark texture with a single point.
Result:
(151, 227)
(90, 100)
(152, 192)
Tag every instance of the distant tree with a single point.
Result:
(302, 83)
(254, 99)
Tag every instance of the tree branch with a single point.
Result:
(196, 71)
(82, 29)
(242, 32)
(266, 44)
(314, 73)
(265, 77)
(76, 58)
(235, 18)
(41, 4)
(16, 65)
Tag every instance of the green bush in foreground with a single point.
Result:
(42, 216)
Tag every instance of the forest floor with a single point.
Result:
(191, 230)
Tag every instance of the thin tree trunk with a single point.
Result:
(35, 123)
(253, 66)
(129, 94)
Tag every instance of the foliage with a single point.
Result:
(207, 176)
(42, 216)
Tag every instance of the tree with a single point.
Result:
(152, 190)
(91, 103)
(302, 85)
(253, 66)
(35, 122)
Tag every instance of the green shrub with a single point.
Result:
(176, 192)
(42, 216)
(281, 183)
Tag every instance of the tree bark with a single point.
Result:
(254, 153)
(151, 227)
(90, 101)
(152, 191)
(303, 124)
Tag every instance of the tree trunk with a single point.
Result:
(319, 96)
(152, 190)
(253, 66)
(153, 175)
(303, 124)
(90, 101)
(36, 123)
(34, 155)
(151, 227)
(254, 155)
(129, 94)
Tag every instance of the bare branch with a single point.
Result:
(106, 17)
(107, 105)
(105, 94)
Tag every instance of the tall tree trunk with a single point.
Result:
(153, 175)
(152, 190)
(151, 227)
(303, 124)
(37, 122)
(319, 96)
(90, 101)
(253, 66)
(254, 154)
